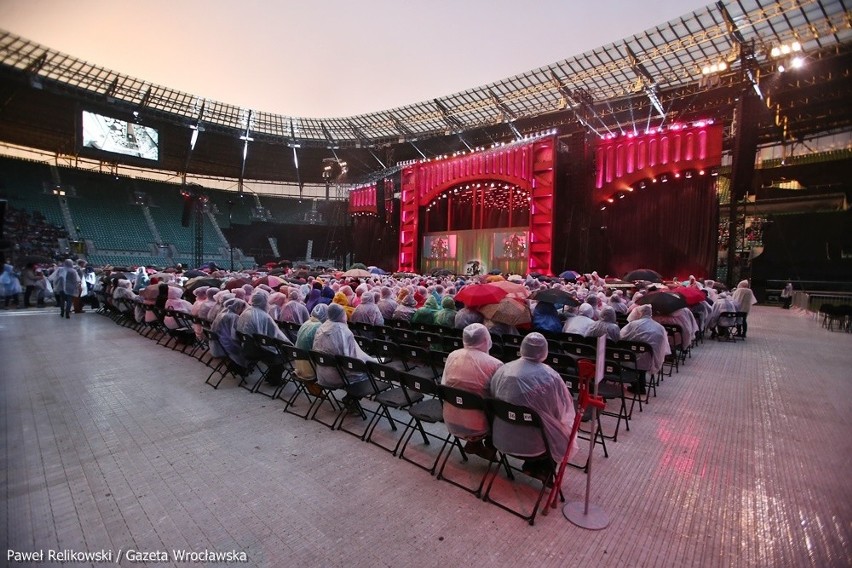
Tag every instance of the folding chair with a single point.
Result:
(612, 388)
(726, 326)
(278, 346)
(347, 365)
(428, 410)
(327, 361)
(248, 343)
(642, 351)
(222, 363)
(462, 400)
(416, 360)
(518, 416)
(397, 397)
(308, 387)
(630, 376)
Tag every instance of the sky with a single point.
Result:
(329, 58)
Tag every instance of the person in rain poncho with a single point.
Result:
(367, 311)
(342, 300)
(787, 295)
(722, 304)
(219, 298)
(446, 316)
(470, 368)
(175, 302)
(225, 327)
(616, 301)
(66, 282)
(387, 304)
(334, 338)
(546, 318)
(405, 309)
(305, 339)
(583, 322)
(313, 297)
(276, 304)
(641, 327)
(255, 320)
(684, 319)
(426, 314)
(294, 311)
(140, 279)
(123, 291)
(606, 325)
(467, 316)
(529, 382)
(207, 305)
(745, 298)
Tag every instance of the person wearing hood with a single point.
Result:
(406, 308)
(545, 317)
(200, 294)
(140, 279)
(467, 316)
(225, 327)
(426, 314)
(607, 325)
(641, 327)
(343, 301)
(123, 291)
(207, 305)
(583, 322)
(685, 320)
(745, 298)
(305, 341)
(367, 311)
(313, 297)
(616, 301)
(387, 304)
(276, 303)
(528, 382)
(470, 369)
(335, 338)
(722, 305)
(67, 283)
(294, 311)
(446, 316)
(220, 298)
(255, 320)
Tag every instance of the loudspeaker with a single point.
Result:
(380, 199)
(186, 214)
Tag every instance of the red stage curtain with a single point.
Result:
(668, 227)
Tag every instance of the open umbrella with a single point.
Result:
(357, 273)
(377, 270)
(236, 283)
(272, 281)
(692, 295)
(509, 311)
(277, 271)
(570, 275)
(719, 287)
(195, 273)
(555, 296)
(360, 265)
(475, 295)
(495, 271)
(663, 303)
(198, 282)
(513, 290)
(643, 274)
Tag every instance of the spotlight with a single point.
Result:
(688, 175)
(642, 185)
(664, 179)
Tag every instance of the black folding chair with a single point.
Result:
(429, 410)
(396, 397)
(518, 416)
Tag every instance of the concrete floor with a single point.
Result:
(113, 443)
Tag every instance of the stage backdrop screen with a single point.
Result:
(117, 136)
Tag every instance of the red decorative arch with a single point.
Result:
(530, 166)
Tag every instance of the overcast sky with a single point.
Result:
(331, 58)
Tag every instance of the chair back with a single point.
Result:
(461, 399)
(512, 413)
(418, 384)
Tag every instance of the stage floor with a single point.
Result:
(111, 442)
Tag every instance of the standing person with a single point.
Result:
(745, 298)
(67, 284)
(30, 280)
(10, 286)
(787, 295)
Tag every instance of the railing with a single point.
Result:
(812, 301)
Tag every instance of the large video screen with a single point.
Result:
(118, 136)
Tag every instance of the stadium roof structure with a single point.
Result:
(689, 68)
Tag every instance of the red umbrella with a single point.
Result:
(691, 294)
(474, 295)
